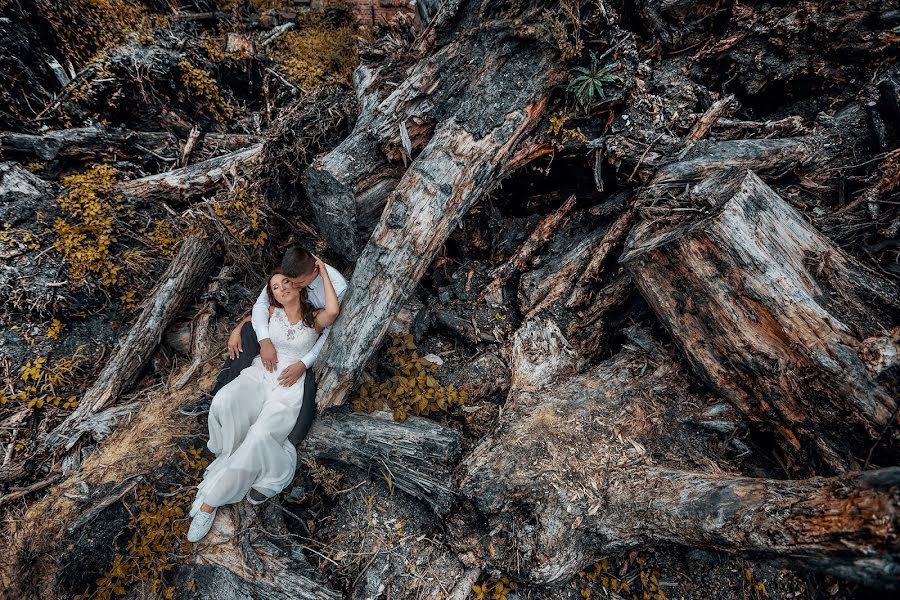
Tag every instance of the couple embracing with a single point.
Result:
(264, 398)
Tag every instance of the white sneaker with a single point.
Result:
(200, 525)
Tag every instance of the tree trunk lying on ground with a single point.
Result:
(190, 181)
(103, 143)
(417, 455)
(576, 470)
(468, 152)
(184, 276)
(772, 315)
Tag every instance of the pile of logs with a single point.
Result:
(745, 308)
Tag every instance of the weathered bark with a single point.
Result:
(557, 278)
(190, 181)
(102, 143)
(771, 314)
(199, 325)
(348, 187)
(185, 274)
(249, 553)
(467, 154)
(522, 258)
(418, 455)
(614, 237)
(576, 471)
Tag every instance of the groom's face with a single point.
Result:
(301, 281)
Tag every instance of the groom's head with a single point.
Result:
(300, 266)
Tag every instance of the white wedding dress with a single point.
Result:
(249, 422)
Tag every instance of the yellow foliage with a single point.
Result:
(204, 92)
(159, 527)
(493, 589)
(561, 135)
(327, 478)
(316, 53)
(83, 28)
(412, 389)
(164, 238)
(42, 383)
(641, 583)
(243, 215)
(85, 234)
(18, 238)
(54, 329)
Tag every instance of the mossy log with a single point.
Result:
(772, 315)
(576, 471)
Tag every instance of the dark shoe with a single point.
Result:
(197, 407)
(255, 497)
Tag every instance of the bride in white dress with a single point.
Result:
(251, 417)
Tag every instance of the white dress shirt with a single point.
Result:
(316, 294)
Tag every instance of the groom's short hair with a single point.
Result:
(297, 261)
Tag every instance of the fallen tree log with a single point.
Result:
(250, 553)
(106, 143)
(469, 151)
(584, 464)
(771, 314)
(418, 455)
(190, 181)
(184, 275)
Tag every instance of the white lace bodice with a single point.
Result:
(292, 342)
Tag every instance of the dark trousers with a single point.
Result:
(249, 351)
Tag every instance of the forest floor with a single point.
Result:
(82, 252)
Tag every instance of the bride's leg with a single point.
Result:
(233, 410)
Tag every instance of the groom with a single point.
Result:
(246, 341)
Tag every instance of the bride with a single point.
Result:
(251, 417)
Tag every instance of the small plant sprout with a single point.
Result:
(587, 82)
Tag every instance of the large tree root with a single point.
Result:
(772, 315)
(573, 472)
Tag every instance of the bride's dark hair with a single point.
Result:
(307, 311)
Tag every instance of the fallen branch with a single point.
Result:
(522, 258)
(187, 271)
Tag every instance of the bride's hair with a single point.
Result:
(306, 309)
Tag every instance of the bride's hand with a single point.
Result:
(320, 266)
(292, 374)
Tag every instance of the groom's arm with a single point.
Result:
(260, 316)
(340, 288)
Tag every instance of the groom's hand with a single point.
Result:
(292, 374)
(234, 343)
(268, 354)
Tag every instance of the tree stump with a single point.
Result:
(772, 314)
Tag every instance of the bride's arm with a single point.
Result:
(329, 314)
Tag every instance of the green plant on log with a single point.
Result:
(587, 83)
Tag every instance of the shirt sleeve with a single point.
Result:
(340, 288)
(260, 316)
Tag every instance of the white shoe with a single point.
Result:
(200, 525)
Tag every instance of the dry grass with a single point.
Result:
(138, 448)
